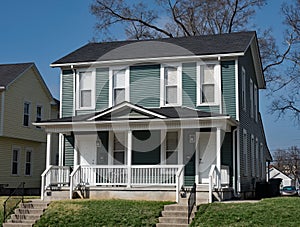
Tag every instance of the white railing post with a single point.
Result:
(129, 157)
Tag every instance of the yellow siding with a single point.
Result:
(38, 162)
(27, 88)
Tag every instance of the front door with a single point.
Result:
(189, 156)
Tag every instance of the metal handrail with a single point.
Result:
(191, 201)
(6, 211)
(179, 181)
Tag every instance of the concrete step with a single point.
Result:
(181, 214)
(17, 221)
(34, 205)
(29, 211)
(173, 220)
(17, 225)
(175, 207)
(171, 225)
(21, 217)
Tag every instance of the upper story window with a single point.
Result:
(255, 103)
(119, 85)
(26, 114)
(38, 114)
(208, 82)
(171, 78)
(85, 90)
(251, 99)
(244, 88)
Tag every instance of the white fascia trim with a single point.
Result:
(2, 112)
(2, 88)
(129, 105)
(158, 59)
(231, 121)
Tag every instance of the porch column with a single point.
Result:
(129, 157)
(48, 151)
(61, 150)
(218, 160)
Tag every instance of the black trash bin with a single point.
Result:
(274, 187)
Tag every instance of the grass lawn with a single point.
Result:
(280, 211)
(101, 213)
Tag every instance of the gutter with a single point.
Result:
(158, 59)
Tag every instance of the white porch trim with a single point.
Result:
(48, 150)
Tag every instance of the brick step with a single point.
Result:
(29, 211)
(181, 214)
(173, 220)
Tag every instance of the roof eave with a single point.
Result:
(141, 60)
(2, 88)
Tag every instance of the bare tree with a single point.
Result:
(288, 161)
(285, 86)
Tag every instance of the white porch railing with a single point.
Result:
(160, 175)
(217, 179)
(55, 175)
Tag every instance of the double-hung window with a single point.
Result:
(255, 103)
(119, 77)
(86, 90)
(207, 84)
(171, 148)
(26, 114)
(245, 152)
(171, 84)
(251, 99)
(38, 114)
(244, 95)
(15, 161)
(28, 160)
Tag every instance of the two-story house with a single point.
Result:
(141, 119)
(24, 98)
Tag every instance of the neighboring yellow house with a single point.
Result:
(24, 98)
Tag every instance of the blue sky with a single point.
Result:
(43, 31)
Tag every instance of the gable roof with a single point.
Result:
(9, 72)
(167, 47)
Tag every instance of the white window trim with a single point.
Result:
(93, 89)
(127, 84)
(111, 148)
(162, 84)
(28, 149)
(29, 114)
(244, 98)
(217, 79)
(42, 113)
(245, 152)
(18, 161)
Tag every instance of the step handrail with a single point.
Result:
(191, 201)
(6, 211)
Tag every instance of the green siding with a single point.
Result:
(67, 94)
(145, 85)
(228, 88)
(102, 88)
(146, 147)
(189, 84)
(69, 150)
(212, 109)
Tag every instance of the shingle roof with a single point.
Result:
(169, 112)
(9, 72)
(168, 47)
